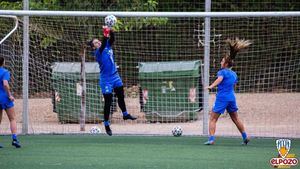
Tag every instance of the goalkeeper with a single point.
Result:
(225, 97)
(109, 77)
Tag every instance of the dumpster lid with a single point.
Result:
(149, 67)
(74, 67)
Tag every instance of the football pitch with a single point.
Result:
(137, 152)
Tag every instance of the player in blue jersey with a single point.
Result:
(225, 97)
(109, 77)
(7, 103)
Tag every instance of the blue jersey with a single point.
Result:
(4, 75)
(225, 89)
(105, 59)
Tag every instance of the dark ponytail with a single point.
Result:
(235, 46)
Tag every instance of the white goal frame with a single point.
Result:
(206, 15)
(13, 30)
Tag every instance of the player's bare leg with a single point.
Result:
(212, 122)
(1, 112)
(13, 126)
(12, 120)
(212, 127)
(234, 117)
(236, 120)
(0, 123)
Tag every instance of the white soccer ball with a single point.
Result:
(110, 20)
(95, 130)
(177, 131)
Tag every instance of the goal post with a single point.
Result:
(171, 39)
(83, 90)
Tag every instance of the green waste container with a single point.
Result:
(170, 91)
(66, 92)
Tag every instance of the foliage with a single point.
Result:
(49, 37)
(154, 5)
(10, 5)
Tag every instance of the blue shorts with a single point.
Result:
(7, 105)
(220, 106)
(107, 86)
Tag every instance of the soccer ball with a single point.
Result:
(177, 131)
(95, 130)
(110, 20)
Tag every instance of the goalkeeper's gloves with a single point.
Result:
(106, 31)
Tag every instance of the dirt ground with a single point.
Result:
(264, 115)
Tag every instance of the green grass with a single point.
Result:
(136, 152)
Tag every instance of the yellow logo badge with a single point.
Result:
(283, 147)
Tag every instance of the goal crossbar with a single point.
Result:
(148, 14)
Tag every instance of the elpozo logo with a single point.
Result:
(284, 159)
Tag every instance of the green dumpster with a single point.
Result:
(66, 92)
(170, 91)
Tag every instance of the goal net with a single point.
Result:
(160, 60)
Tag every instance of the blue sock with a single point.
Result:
(244, 135)
(125, 113)
(14, 137)
(106, 123)
(211, 138)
